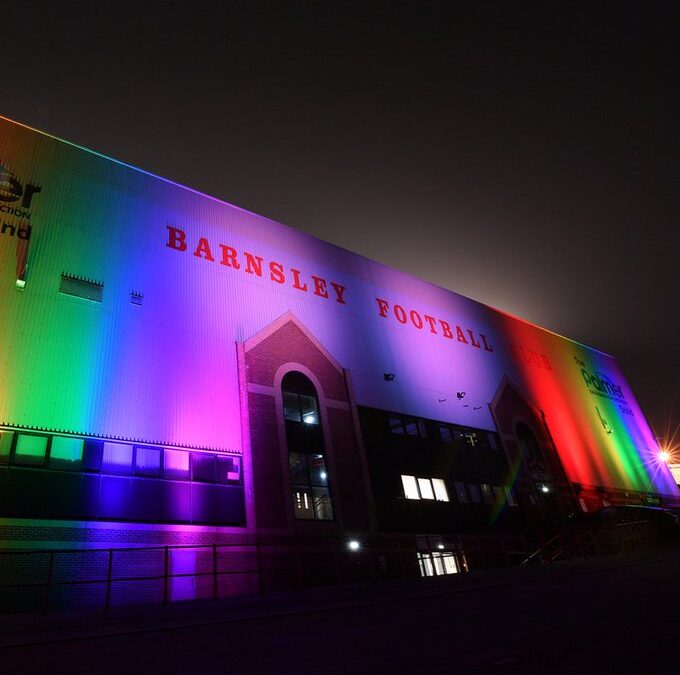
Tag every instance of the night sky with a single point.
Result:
(524, 155)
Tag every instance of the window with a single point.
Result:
(291, 408)
(410, 487)
(410, 426)
(299, 399)
(176, 464)
(437, 563)
(475, 493)
(424, 488)
(510, 495)
(407, 426)
(117, 458)
(306, 451)
(499, 495)
(228, 469)
(445, 433)
(92, 455)
(6, 438)
(302, 504)
(309, 412)
(66, 453)
(487, 494)
(147, 461)
(440, 493)
(396, 426)
(461, 493)
(30, 450)
(202, 467)
(309, 480)
(531, 450)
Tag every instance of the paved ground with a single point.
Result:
(616, 615)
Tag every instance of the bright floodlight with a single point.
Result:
(664, 455)
(545, 488)
(353, 545)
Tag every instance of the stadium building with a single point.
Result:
(179, 372)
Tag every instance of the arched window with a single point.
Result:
(306, 449)
(531, 451)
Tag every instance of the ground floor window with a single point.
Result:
(437, 563)
(439, 555)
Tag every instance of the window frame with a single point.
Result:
(399, 425)
(310, 484)
(417, 485)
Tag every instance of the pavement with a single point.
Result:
(601, 615)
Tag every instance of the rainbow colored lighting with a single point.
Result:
(184, 278)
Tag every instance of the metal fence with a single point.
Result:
(41, 580)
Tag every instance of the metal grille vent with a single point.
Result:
(81, 288)
(136, 298)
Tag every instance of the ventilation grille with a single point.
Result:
(81, 288)
(136, 298)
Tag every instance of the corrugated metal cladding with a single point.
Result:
(212, 275)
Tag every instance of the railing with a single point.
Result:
(41, 580)
(35, 580)
(572, 542)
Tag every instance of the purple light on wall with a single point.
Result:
(117, 458)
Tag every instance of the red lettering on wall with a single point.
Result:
(473, 342)
(276, 273)
(466, 336)
(177, 239)
(203, 250)
(431, 320)
(229, 257)
(320, 287)
(487, 346)
(416, 319)
(339, 292)
(446, 329)
(253, 264)
(256, 265)
(296, 280)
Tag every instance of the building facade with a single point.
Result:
(176, 370)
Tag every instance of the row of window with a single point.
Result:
(473, 438)
(407, 426)
(69, 453)
(403, 425)
(435, 489)
(424, 488)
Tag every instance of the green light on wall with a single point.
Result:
(66, 451)
(31, 449)
(5, 445)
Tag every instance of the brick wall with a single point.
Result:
(288, 342)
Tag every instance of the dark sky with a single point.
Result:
(525, 155)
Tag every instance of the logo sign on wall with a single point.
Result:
(16, 198)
